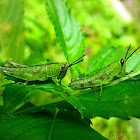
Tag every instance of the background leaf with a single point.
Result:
(45, 125)
(107, 55)
(52, 88)
(4, 81)
(67, 31)
(11, 29)
(14, 97)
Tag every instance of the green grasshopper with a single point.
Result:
(55, 71)
(104, 76)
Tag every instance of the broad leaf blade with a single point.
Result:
(120, 100)
(14, 97)
(67, 30)
(4, 81)
(107, 55)
(52, 88)
(44, 126)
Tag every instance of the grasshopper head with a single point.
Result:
(63, 70)
(123, 61)
(64, 67)
(123, 65)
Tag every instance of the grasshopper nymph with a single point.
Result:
(55, 71)
(104, 76)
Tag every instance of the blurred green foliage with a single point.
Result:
(28, 36)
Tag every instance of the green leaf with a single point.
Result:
(14, 97)
(4, 81)
(52, 88)
(133, 62)
(120, 100)
(45, 125)
(67, 30)
(107, 55)
(11, 29)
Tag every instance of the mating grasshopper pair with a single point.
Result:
(57, 71)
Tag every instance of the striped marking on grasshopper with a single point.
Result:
(104, 76)
(55, 71)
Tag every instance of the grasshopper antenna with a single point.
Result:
(76, 61)
(131, 54)
(127, 52)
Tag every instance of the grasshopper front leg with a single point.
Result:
(58, 83)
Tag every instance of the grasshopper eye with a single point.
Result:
(63, 67)
(122, 62)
